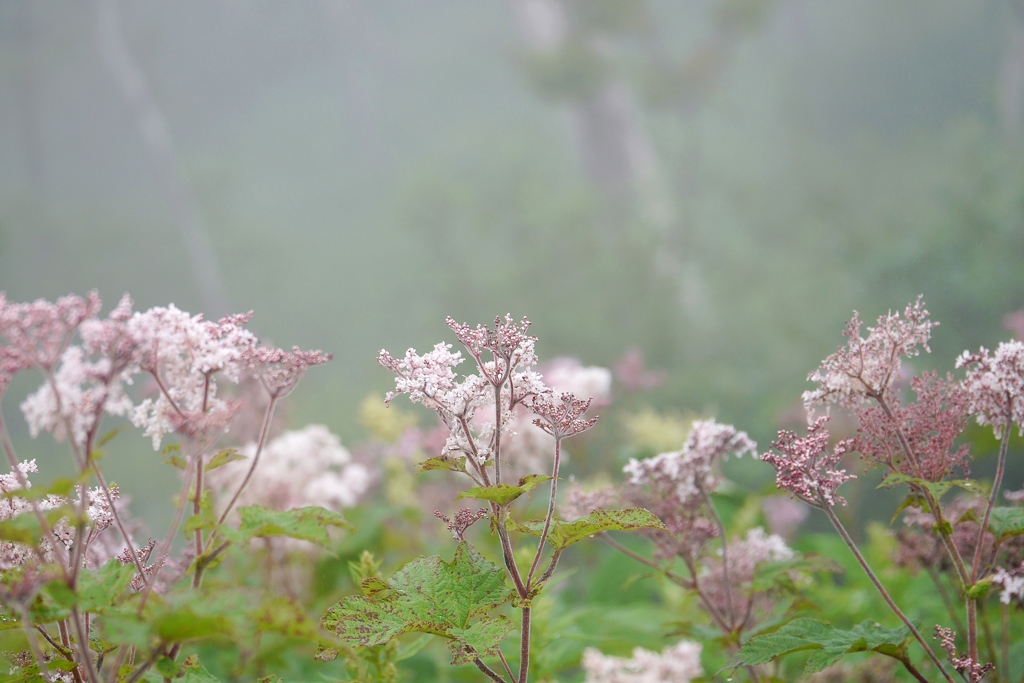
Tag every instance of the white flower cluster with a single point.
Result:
(867, 367)
(16, 554)
(1012, 583)
(185, 352)
(298, 468)
(995, 385)
(692, 469)
(758, 546)
(677, 664)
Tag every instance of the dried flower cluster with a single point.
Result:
(806, 468)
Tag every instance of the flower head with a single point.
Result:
(866, 368)
(40, 331)
(995, 384)
(279, 370)
(805, 469)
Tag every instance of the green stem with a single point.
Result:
(841, 530)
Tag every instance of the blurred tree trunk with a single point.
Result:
(27, 102)
(1011, 77)
(156, 140)
(612, 144)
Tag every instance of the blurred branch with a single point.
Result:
(156, 139)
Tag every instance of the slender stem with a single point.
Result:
(1004, 613)
(524, 647)
(550, 515)
(944, 594)
(12, 459)
(64, 652)
(488, 671)
(85, 652)
(669, 574)
(196, 509)
(497, 432)
(990, 641)
(1000, 467)
(905, 661)
(33, 644)
(264, 432)
(881, 589)
(120, 524)
(725, 559)
(508, 669)
(164, 549)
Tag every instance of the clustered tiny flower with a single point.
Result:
(867, 367)
(805, 467)
(995, 384)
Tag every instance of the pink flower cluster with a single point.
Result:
(806, 468)
(693, 469)
(867, 368)
(185, 356)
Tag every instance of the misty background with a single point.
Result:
(718, 183)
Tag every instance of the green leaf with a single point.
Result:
(194, 672)
(828, 643)
(223, 458)
(914, 500)
(1005, 522)
(429, 595)
(185, 623)
(109, 436)
(503, 494)
(287, 617)
(306, 524)
(563, 534)
(443, 462)
(936, 488)
(99, 588)
(25, 528)
(172, 456)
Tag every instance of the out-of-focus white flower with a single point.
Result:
(298, 468)
(677, 664)
(1012, 583)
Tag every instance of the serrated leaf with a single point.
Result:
(429, 595)
(223, 457)
(829, 644)
(563, 534)
(306, 524)
(1005, 521)
(503, 494)
(443, 462)
(194, 672)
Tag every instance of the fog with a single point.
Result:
(717, 183)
